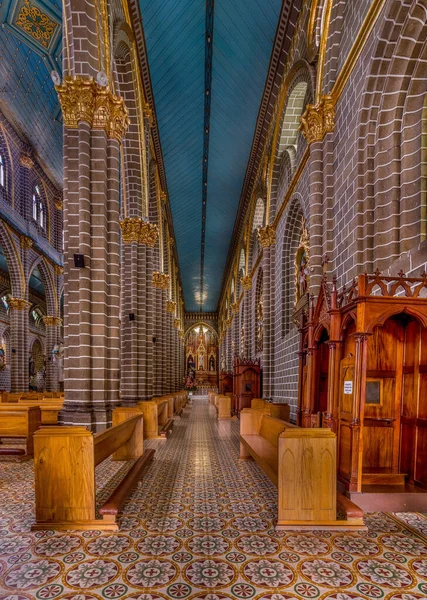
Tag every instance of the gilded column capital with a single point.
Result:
(135, 229)
(51, 321)
(18, 303)
(246, 282)
(227, 322)
(58, 270)
(318, 119)
(58, 204)
(170, 306)
(25, 242)
(160, 280)
(82, 99)
(267, 236)
(180, 334)
(149, 234)
(176, 323)
(26, 161)
(235, 307)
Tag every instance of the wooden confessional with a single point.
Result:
(246, 382)
(225, 382)
(363, 374)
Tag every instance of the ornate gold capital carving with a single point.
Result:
(58, 270)
(318, 119)
(135, 229)
(170, 306)
(160, 280)
(82, 99)
(246, 281)
(176, 323)
(235, 307)
(227, 322)
(180, 334)
(149, 234)
(26, 161)
(58, 204)
(18, 303)
(267, 236)
(50, 321)
(25, 242)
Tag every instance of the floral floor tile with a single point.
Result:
(201, 527)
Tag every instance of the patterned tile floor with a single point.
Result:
(201, 526)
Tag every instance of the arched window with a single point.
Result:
(2, 172)
(38, 208)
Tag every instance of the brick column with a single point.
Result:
(267, 238)
(91, 229)
(148, 389)
(137, 237)
(247, 287)
(161, 283)
(18, 313)
(53, 338)
(317, 120)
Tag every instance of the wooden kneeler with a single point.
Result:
(65, 461)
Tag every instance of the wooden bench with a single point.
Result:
(278, 410)
(18, 421)
(223, 406)
(49, 407)
(65, 461)
(302, 464)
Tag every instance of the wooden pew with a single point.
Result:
(19, 422)
(278, 410)
(165, 418)
(65, 461)
(211, 397)
(49, 407)
(223, 406)
(302, 464)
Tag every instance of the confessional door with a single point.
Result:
(395, 411)
(322, 371)
(383, 397)
(413, 443)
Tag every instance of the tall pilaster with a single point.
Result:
(267, 238)
(247, 287)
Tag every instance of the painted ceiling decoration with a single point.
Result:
(176, 43)
(30, 48)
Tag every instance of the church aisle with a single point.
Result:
(201, 526)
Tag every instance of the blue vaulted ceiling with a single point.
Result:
(243, 36)
(30, 48)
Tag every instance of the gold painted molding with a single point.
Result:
(26, 161)
(246, 282)
(267, 236)
(135, 229)
(25, 242)
(161, 280)
(170, 306)
(82, 99)
(235, 307)
(318, 119)
(18, 303)
(50, 321)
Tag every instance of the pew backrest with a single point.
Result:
(109, 441)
